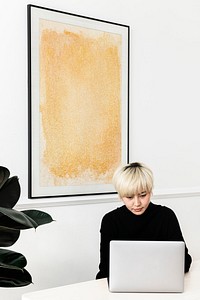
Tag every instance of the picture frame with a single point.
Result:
(78, 103)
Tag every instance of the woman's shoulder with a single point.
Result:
(165, 210)
(110, 219)
(115, 213)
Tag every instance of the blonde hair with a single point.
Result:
(133, 179)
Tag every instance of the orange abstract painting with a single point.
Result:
(78, 103)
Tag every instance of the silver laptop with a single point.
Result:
(146, 266)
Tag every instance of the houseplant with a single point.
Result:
(12, 221)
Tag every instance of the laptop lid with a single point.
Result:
(146, 266)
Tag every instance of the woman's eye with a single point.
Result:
(143, 195)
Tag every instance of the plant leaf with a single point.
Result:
(40, 217)
(4, 175)
(8, 236)
(19, 217)
(12, 224)
(12, 272)
(14, 277)
(12, 259)
(10, 192)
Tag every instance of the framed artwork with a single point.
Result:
(78, 94)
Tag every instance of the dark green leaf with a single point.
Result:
(8, 236)
(19, 217)
(12, 224)
(10, 192)
(13, 259)
(4, 175)
(12, 272)
(14, 277)
(40, 217)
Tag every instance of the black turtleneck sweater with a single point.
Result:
(157, 223)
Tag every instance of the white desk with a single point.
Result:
(98, 290)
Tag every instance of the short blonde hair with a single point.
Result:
(133, 179)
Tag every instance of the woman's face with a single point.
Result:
(138, 203)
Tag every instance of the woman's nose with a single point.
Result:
(137, 201)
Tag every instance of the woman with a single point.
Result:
(138, 218)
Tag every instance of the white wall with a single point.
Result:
(165, 76)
